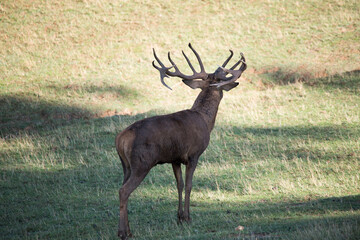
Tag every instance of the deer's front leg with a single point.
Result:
(190, 168)
(180, 187)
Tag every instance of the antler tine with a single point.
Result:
(242, 60)
(235, 73)
(202, 69)
(163, 70)
(177, 72)
(244, 65)
(172, 62)
(157, 59)
(228, 59)
(188, 61)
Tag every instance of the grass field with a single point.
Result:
(284, 156)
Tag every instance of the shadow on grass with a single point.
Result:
(261, 219)
(83, 202)
(31, 113)
(298, 141)
(347, 81)
(320, 133)
(118, 91)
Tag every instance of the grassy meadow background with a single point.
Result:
(283, 161)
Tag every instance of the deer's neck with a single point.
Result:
(207, 104)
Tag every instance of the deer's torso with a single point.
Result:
(175, 137)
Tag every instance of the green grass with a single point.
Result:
(283, 161)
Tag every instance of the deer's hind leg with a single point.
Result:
(126, 170)
(132, 182)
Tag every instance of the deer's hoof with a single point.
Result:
(123, 235)
(182, 219)
(188, 219)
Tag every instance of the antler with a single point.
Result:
(235, 73)
(164, 71)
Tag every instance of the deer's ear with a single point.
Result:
(194, 84)
(229, 86)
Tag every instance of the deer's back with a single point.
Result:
(169, 138)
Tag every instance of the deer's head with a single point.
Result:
(221, 79)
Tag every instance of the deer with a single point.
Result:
(176, 138)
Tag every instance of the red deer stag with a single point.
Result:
(177, 138)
